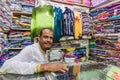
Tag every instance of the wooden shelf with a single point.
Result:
(19, 48)
(22, 13)
(64, 48)
(70, 3)
(21, 29)
(103, 49)
(112, 34)
(11, 36)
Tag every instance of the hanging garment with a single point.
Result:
(68, 22)
(42, 17)
(77, 25)
(57, 23)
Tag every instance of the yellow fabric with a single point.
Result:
(76, 70)
(77, 25)
(70, 49)
(38, 67)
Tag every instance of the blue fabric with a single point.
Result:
(114, 17)
(57, 23)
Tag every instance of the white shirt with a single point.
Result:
(26, 61)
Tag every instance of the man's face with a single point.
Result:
(46, 39)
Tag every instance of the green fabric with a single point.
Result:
(42, 17)
(90, 75)
(111, 71)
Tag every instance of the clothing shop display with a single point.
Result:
(85, 37)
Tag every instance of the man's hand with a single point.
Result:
(53, 67)
(116, 76)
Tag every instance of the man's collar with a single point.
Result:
(41, 49)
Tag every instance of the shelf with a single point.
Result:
(103, 49)
(11, 36)
(112, 34)
(20, 13)
(70, 3)
(19, 48)
(20, 29)
(67, 47)
(16, 39)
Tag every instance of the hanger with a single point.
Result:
(42, 3)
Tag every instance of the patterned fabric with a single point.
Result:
(87, 24)
(68, 22)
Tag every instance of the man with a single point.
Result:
(32, 59)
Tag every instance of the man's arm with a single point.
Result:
(53, 67)
(18, 67)
(21, 63)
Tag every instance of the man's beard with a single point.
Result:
(47, 48)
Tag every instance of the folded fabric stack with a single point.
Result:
(18, 39)
(87, 24)
(22, 5)
(106, 19)
(5, 15)
(106, 48)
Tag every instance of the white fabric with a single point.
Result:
(26, 61)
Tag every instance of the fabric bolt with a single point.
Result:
(55, 57)
(69, 0)
(87, 27)
(97, 2)
(114, 4)
(93, 14)
(85, 19)
(118, 12)
(26, 62)
(77, 25)
(68, 22)
(87, 2)
(115, 17)
(42, 17)
(57, 23)
(77, 1)
(115, 7)
(117, 28)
